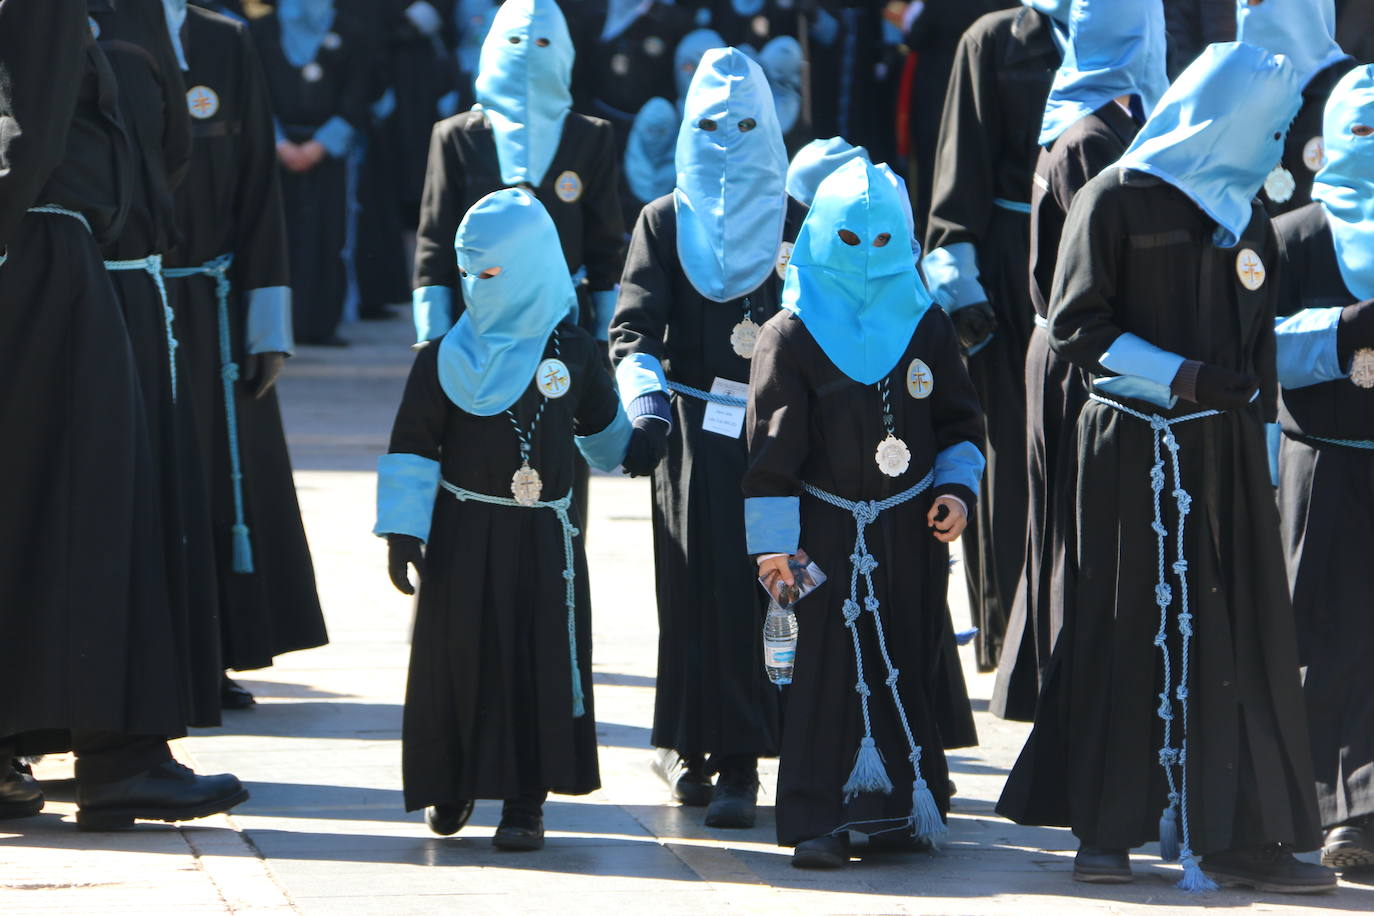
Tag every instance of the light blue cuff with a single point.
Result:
(952, 276)
(336, 136)
(276, 129)
(772, 524)
(1307, 347)
(606, 449)
(1273, 441)
(384, 106)
(603, 304)
(960, 464)
(433, 311)
(269, 321)
(1132, 355)
(447, 105)
(406, 487)
(1133, 386)
(639, 374)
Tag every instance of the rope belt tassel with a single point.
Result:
(1175, 841)
(218, 270)
(869, 773)
(560, 509)
(152, 266)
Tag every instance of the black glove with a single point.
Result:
(1214, 387)
(260, 371)
(1356, 330)
(974, 324)
(403, 550)
(648, 445)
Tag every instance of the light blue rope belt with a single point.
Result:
(724, 400)
(50, 208)
(560, 509)
(1014, 206)
(218, 269)
(1170, 757)
(1042, 322)
(869, 774)
(152, 266)
(1348, 443)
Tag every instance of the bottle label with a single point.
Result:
(780, 656)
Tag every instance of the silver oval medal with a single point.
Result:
(743, 337)
(892, 456)
(526, 486)
(1279, 185)
(1314, 154)
(312, 72)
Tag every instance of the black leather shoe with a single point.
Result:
(686, 776)
(734, 805)
(898, 841)
(822, 852)
(1268, 868)
(1102, 866)
(167, 792)
(446, 820)
(519, 833)
(20, 795)
(233, 695)
(1348, 848)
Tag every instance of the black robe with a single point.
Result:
(1326, 493)
(712, 694)
(316, 201)
(988, 146)
(152, 98)
(810, 423)
(91, 640)
(1054, 395)
(1303, 151)
(489, 698)
(1355, 28)
(464, 168)
(230, 203)
(1138, 257)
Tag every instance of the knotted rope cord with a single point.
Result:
(724, 400)
(869, 774)
(152, 266)
(1176, 810)
(526, 439)
(218, 269)
(1348, 443)
(560, 509)
(49, 208)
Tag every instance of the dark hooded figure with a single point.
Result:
(317, 75)
(1112, 76)
(1171, 707)
(1355, 28)
(480, 469)
(94, 652)
(1304, 31)
(977, 241)
(862, 430)
(704, 272)
(232, 291)
(1326, 366)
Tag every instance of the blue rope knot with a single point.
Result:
(1181, 692)
(862, 689)
(229, 372)
(1158, 528)
(1185, 623)
(851, 611)
(1157, 477)
(1171, 441)
(1185, 501)
(1158, 423)
(1160, 639)
(569, 575)
(1164, 595)
(892, 677)
(866, 512)
(1180, 567)
(870, 604)
(866, 564)
(1166, 709)
(1168, 756)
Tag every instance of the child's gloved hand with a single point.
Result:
(648, 445)
(404, 551)
(948, 518)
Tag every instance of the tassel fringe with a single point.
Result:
(579, 700)
(1168, 835)
(1195, 880)
(869, 774)
(925, 814)
(243, 551)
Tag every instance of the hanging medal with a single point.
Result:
(745, 335)
(552, 380)
(892, 456)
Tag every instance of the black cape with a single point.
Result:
(1303, 149)
(1091, 762)
(810, 423)
(1054, 395)
(712, 695)
(489, 699)
(1326, 492)
(987, 151)
(230, 203)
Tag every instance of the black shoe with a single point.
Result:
(20, 795)
(735, 802)
(233, 695)
(168, 792)
(686, 776)
(519, 832)
(333, 340)
(1348, 847)
(446, 820)
(1268, 868)
(899, 841)
(1102, 866)
(823, 852)
(380, 313)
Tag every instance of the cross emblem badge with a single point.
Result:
(202, 101)
(553, 378)
(920, 381)
(1250, 269)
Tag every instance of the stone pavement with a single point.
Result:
(325, 832)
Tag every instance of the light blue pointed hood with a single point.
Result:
(474, 22)
(862, 301)
(620, 15)
(304, 23)
(1058, 10)
(1304, 31)
(782, 62)
(488, 357)
(1219, 131)
(1115, 48)
(174, 11)
(731, 197)
(815, 161)
(687, 57)
(649, 167)
(1345, 185)
(524, 80)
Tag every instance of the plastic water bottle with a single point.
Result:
(779, 642)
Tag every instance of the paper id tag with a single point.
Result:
(723, 420)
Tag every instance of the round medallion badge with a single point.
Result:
(568, 187)
(1314, 154)
(312, 72)
(1362, 368)
(202, 102)
(552, 378)
(654, 46)
(743, 338)
(1250, 269)
(784, 258)
(620, 64)
(331, 41)
(920, 381)
(1279, 185)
